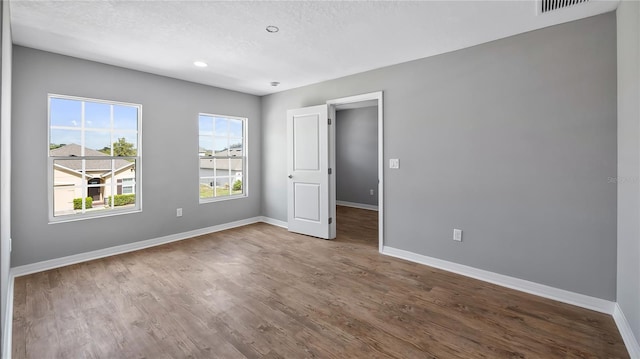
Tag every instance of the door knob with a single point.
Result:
(290, 176)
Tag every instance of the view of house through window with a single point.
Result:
(94, 154)
(222, 156)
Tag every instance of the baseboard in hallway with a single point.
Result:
(357, 205)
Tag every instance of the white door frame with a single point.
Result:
(332, 156)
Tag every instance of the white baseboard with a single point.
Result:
(357, 205)
(8, 321)
(106, 252)
(630, 341)
(561, 295)
(274, 222)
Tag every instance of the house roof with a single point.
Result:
(94, 165)
(233, 152)
(235, 164)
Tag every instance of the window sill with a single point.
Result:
(221, 199)
(82, 217)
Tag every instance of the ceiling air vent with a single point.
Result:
(552, 5)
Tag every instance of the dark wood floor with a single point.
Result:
(261, 292)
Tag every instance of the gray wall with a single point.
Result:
(513, 141)
(357, 155)
(629, 162)
(169, 145)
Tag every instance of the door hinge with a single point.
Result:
(330, 220)
(329, 121)
(329, 170)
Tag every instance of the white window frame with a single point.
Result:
(113, 211)
(245, 160)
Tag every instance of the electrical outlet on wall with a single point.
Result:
(179, 212)
(371, 192)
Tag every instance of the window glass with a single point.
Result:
(65, 112)
(98, 115)
(87, 141)
(222, 158)
(124, 117)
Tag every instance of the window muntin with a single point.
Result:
(93, 145)
(222, 157)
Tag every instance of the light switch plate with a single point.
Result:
(457, 235)
(394, 163)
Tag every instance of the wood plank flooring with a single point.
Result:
(262, 292)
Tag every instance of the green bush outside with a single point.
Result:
(77, 203)
(237, 185)
(122, 199)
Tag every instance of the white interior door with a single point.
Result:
(308, 172)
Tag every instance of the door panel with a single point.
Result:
(306, 197)
(306, 156)
(308, 171)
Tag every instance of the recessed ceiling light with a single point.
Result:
(272, 29)
(275, 83)
(200, 63)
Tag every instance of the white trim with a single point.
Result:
(244, 157)
(561, 295)
(106, 252)
(361, 98)
(356, 98)
(630, 341)
(112, 130)
(70, 170)
(97, 214)
(90, 99)
(8, 321)
(274, 222)
(369, 207)
(333, 189)
(6, 286)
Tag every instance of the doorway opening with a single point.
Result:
(356, 153)
(93, 190)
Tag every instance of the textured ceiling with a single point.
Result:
(317, 41)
